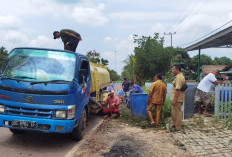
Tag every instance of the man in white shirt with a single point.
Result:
(202, 94)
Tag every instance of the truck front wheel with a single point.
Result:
(77, 133)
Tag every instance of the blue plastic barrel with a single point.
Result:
(138, 104)
(121, 93)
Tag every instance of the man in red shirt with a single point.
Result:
(113, 105)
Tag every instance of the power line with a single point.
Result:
(179, 15)
(188, 13)
(207, 34)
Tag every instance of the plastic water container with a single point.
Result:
(138, 104)
(121, 92)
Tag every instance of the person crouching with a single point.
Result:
(113, 105)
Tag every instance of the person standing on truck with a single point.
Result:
(113, 105)
(177, 98)
(136, 88)
(202, 94)
(156, 97)
(69, 37)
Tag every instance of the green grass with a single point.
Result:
(145, 89)
(228, 123)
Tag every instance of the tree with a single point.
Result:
(3, 54)
(96, 58)
(222, 61)
(114, 75)
(151, 57)
(129, 69)
(93, 56)
(104, 61)
(205, 60)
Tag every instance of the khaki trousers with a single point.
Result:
(177, 115)
(157, 113)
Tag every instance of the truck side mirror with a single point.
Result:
(81, 73)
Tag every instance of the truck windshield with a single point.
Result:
(39, 65)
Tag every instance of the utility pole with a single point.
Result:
(115, 60)
(170, 35)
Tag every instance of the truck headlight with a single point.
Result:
(60, 114)
(71, 111)
(2, 108)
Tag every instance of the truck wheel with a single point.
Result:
(77, 133)
(17, 131)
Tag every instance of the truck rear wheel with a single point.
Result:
(17, 131)
(77, 133)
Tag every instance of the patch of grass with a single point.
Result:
(228, 123)
(145, 89)
(215, 120)
(200, 122)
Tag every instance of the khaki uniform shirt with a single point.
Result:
(159, 91)
(178, 82)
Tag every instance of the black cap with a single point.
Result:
(54, 34)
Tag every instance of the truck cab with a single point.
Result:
(44, 90)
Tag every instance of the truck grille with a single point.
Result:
(28, 112)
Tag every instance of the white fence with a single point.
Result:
(223, 101)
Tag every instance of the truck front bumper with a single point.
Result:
(43, 125)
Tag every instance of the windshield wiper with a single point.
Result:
(50, 81)
(24, 77)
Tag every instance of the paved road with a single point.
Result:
(33, 144)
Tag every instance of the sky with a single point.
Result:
(108, 26)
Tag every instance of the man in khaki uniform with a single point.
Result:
(156, 97)
(177, 97)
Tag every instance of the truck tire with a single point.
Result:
(17, 131)
(77, 133)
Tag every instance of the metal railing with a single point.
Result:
(223, 101)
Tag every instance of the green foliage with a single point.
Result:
(222, 61)
(228, 123)
(145, 89)
(95, 58)
(205, 60)
(129, 69)
(3, 54)
(114, 75)
(151, 57)
(104, 61)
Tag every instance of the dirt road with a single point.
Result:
(116, 139)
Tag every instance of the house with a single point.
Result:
(227, 72)
(206, 69)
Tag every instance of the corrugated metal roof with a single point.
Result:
(222, 38)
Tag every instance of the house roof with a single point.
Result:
(206, 69)
(222, 38)
(227, 67)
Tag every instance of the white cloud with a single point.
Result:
(126, 45)
(16, 36)
(91, 16)
(9, 21)
(110, 39)
(43, 41)
(107, 39)
(139, 16)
